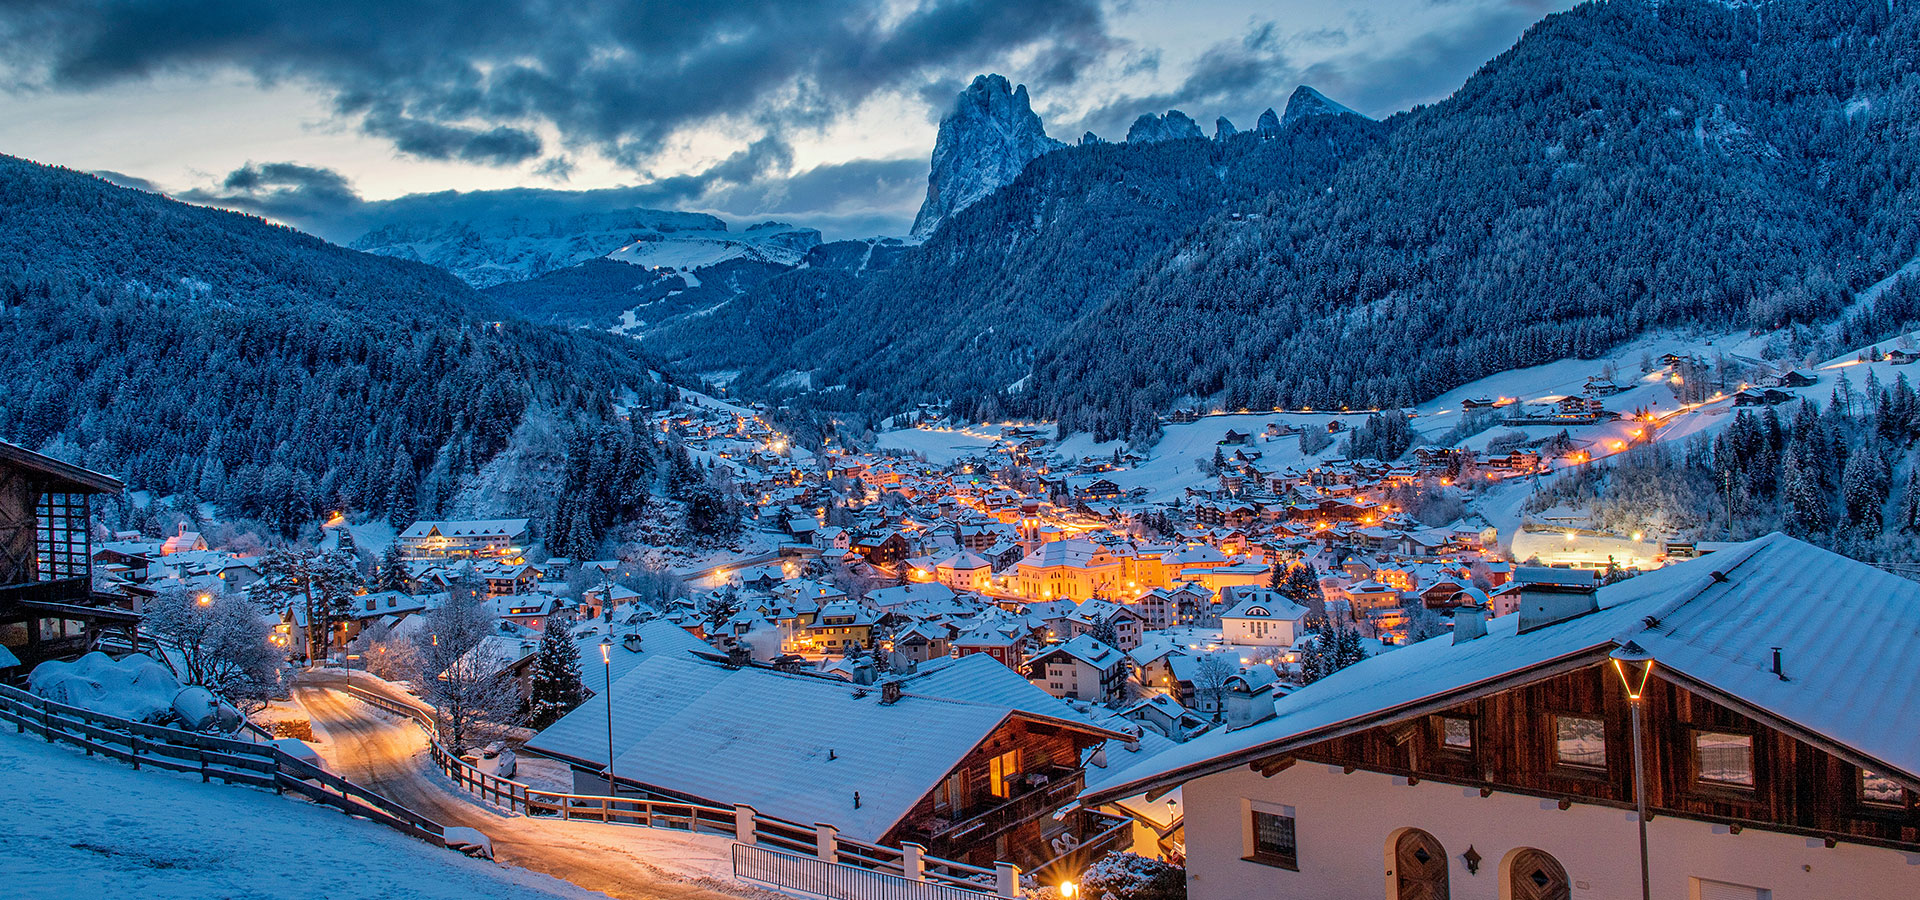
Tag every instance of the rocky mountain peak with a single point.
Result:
(1269, 123)
(1306, 103)
(1172, 126)
(989, 135)
(1223, 129)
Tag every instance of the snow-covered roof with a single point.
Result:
(795, 747)
(1087, 649)
(504, 528)
(1264, 604)
(1716, 621)
(1069, 552)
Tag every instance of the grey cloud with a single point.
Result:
(470, 80)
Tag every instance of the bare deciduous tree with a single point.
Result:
(463, 674)
(218, 641)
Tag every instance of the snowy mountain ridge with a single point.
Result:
(492, 251)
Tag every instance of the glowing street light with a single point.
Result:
(1634, 665)
(606, 660)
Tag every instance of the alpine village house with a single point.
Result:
(1779, 749)
(48, 607)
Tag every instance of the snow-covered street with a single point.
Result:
(388, 754)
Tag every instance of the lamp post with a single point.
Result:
(1634, 665)
(606, 660)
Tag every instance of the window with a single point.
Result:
(1001, 773)
(1878, 790)
(1580, 742)
(1723, 759)
(1273, 840)
(946, 797)
(1456, 734)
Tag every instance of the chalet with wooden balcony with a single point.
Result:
(1777, 711)
(962, 757)
(48, 608)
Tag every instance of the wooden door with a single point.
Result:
(1419, 867)
(1535, 875)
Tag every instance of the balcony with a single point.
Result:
(1031, 799)
(73, 591)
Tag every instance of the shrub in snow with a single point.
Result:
(1130, 876)
(135, 687)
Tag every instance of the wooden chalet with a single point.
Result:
(48, 607)
(1776, 747)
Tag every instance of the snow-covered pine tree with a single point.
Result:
(1805, 502)
(556, 687)
(1863, 491)
(391, 574)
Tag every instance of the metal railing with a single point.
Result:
(837, 881)
(231, 761)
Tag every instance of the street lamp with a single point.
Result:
(606, 660)
(1634, 665)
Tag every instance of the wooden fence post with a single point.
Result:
(913, 863)
(744, 829)
(133, 751)
(826, 842)
(1006, 880)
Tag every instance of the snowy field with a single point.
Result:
(941, 447)
(78, 827)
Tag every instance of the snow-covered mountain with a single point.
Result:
(1307, 102)
(497, 250)
(985, 140)
(1172, 126)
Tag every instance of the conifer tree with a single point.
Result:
(556, 687)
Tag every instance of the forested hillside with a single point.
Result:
(1626, 166)
(215, 356)
(966, 312)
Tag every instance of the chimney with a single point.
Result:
(1469, 622)
(890, 692)
(1245, 706)
(738, 654)
(1550, 596)
(632, 642)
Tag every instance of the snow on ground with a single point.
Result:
(372, 536)
(76, 826)
(941, 447)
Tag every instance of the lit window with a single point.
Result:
(1456, 734)
(1002, 771)
(1273, 840)
(1580, 742)
(1722, 758)
(1879, 790)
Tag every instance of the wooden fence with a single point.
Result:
(231, 761)
(742, 823)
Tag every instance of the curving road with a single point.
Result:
(388, 754)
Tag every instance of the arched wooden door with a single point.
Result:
(1419, 867)
(1536, 875)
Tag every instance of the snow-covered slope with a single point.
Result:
(85, 827)
(689, 251)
